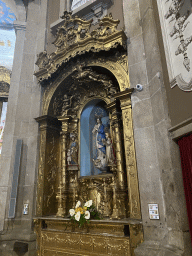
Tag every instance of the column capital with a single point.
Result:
(124, 94)
(124, 98)
(64, 119)
(46, 122)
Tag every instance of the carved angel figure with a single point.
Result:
(72, 153)
(87, 73)
(69, 156)
(174, 8)
(179, 24)
(109, 149)
(67, 103)
(183, 46)
(111, 89)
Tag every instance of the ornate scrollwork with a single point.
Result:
(84, 83)
(75, 38)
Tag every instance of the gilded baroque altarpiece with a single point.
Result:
(86, 142)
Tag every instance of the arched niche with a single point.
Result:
(95, 141)
(77, 88)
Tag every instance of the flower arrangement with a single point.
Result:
(82, 215)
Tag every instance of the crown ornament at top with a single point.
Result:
(75, 37)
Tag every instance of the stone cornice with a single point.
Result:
(19, 25)
(179, 81)
(181, 129)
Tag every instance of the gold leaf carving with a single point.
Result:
(74, 38)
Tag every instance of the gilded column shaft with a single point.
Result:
(46, 123)
(63, 159)
(40, 184)
(119, 156)
(62, 188)
(130, 157)
(115, 120)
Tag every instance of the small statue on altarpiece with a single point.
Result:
(110, 158)
(72, 153)
(104, 152)
(98, 130)
(69, 156)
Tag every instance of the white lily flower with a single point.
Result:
(77, 216)
(72, 212)
(89, 203)
(87, 215)
(78, 204)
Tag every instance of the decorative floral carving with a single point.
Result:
(52, 170)
(42, 60)
(178, 29)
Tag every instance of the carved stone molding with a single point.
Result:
(184, 86)
(98, 12)
(74, 38)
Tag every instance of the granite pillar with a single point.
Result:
(159, 169)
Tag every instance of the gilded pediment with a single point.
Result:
(75, 37)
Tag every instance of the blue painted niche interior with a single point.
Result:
(87, 139)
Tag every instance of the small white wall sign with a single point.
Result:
(153, 211)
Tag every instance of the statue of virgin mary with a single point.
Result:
(98, 130)
(77, 3)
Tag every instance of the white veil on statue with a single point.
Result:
(77, 3)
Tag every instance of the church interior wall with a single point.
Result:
(54, 20)
(23, 106)
(151, 121)
(155, 109)
(179, 101)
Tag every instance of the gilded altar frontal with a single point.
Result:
(93, 146)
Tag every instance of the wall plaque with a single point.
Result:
(153, 211)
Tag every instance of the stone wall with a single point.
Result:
(23, 106)
(176, 30)
(159, 169)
